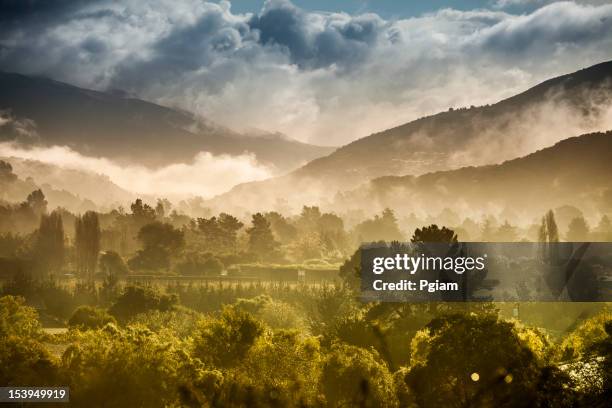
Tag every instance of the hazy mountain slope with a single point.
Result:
(132, 130)
(551, 111)
(574, 171)
(85, 185)
(73, 190)
(554, 110)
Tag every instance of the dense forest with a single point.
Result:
(153, 307)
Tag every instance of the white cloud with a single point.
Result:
(208, 175)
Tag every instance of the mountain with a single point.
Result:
(82, 185)
(574, 171)
(74, 190)
(129, 130)
(554, 110)
(551, 111)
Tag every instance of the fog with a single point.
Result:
(205, 176)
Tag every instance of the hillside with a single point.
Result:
(129, 130)
(554, 110)
(551, 111)
(574, 171)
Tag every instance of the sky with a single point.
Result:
(323, 72)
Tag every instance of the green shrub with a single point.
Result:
(89, 317)
(353, 376)
(226, 340)
(140, 299)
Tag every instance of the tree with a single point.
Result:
(432, 234)
(160, 241)
(219, 233)
(131, 367)
(548, 236)
(487, 231)
(138, 299)
(578, 230)
(283, 230)
(225, 341)
(111, 263)
(36, 201)
(451, 363)
(49, 247)
(163, 208)
(380, 228)
(548, 228)
(89, 317)
(261, 239)
(506, 233)
(6, 174)
(87, 243)
(308, 221)
(229, 226)
(355, 377)
(604, 229)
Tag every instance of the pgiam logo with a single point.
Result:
(412, 264)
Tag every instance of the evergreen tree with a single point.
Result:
(604, 229)
(36, 201)
(506, 233)
(261, 239)
(87, 244)
(548, 236)
(229, 227)
(49, 246)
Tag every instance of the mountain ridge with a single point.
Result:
(129, 129)
(584, 96)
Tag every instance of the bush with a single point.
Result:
(226, 340)
(585, 336)
(26, 362)
(274, 313)
(131, 367)
(179, 320)
(460, 347)
(353, 376)
(89, 317)
(199, 265)
(140, 299)
(17, 319)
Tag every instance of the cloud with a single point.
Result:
(208, 175)
(322, 77)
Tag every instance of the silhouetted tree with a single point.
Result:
(36, 201)
(380, 228)
(603, 231)
(578, 230)
(160, 241)
(111, 263)
(49, 246)
(6, 173)
(261, 239)
(506, 233)
(548, 236)
(87, 243)
(283, 230)
(433, 233)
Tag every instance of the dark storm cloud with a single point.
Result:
(17, 14)
(317, 42)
